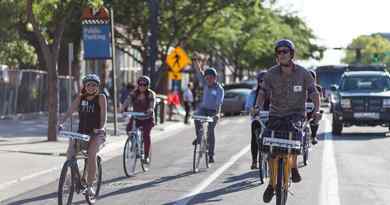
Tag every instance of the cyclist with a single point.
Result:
(255, 125)
(142, 99)
(288, 86)
(210, 105)
(314, 124)
(92, 109)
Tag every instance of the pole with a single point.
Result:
(153, 22)
(114, 72)
(70, 60)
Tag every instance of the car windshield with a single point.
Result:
(366, 83)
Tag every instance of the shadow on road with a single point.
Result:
(34, 199)
(237, 183)
(146, 185)
(356, 136)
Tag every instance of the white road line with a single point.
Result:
(329, 181)
(205, 183)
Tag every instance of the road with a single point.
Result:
(349, 169)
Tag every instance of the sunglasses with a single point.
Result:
(91, 85)
(282, 51)
(142, 84)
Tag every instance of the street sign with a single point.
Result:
(174, 75)
(177, 59)
(97, 41)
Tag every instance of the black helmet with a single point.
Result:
(260, 75)
(285, 43)
(145, 79)
(91, 77)
(210, 71)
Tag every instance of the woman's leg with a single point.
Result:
(254, 146)
(147, 127)
(92, 152)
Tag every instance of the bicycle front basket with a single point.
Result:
(281, 142)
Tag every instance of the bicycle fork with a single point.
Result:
(286, 161)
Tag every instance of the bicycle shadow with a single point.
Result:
(244, 182)
(145, 185)
(45, 197)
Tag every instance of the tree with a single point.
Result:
(46, 21)
(373, 48)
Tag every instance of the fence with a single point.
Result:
(25, 91)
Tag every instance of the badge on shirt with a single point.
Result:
(297, 88)
(214, 92)
(84, 103)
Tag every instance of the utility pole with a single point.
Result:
(153, 36)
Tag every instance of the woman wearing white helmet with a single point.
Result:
(92, 109)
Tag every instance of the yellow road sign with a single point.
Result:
(178, 59)
(174, 75)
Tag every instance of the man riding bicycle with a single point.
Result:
(288, 85)
(210, 105)
(92, 108)
(142, 99)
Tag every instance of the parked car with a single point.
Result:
(249, 84)
(363, 99)
(234, 101)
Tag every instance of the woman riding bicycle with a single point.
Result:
(142, 99)
(255, 125)
(92, 109)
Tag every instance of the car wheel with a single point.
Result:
(337, 126)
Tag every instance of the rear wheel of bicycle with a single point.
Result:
(205, 150)
(66, 185)
(96, 184)
(281, 192)
(129, 157)
(197, 156)
(145, 165)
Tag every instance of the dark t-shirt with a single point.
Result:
(89, 115)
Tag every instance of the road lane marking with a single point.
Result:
(329, 180)
(184, 200)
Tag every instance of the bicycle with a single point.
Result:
(282, 145)
(134, 147)
(70, 179)
(262, 117)
(201, 146)
(305, 129)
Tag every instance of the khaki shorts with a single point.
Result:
(72, 150)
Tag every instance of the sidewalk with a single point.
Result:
(29, 160)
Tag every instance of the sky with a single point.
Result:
(337, 22)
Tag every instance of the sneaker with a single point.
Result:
(89, 191)
(268, 194)
(147, 160)
(254, 165)
(314, 141)
(296, 177)
(211, 159)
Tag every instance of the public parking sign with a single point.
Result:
(97, 41)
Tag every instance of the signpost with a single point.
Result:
(177, 60)
(99, 43)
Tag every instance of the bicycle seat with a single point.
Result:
(203, 118)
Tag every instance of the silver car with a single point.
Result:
(234, 100)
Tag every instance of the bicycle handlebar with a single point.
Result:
(134, 114)
(74, 135)
(203, 118)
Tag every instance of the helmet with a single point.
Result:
(91, 77)
(285, 43)
(145, 79)
(210, 71)
(260, 75)
(313, 74)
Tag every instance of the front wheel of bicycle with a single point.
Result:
(281, 192)
(129, 157)
(97, 183)
(197, 156)
(66, 185)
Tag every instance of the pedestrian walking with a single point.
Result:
(188, 99)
